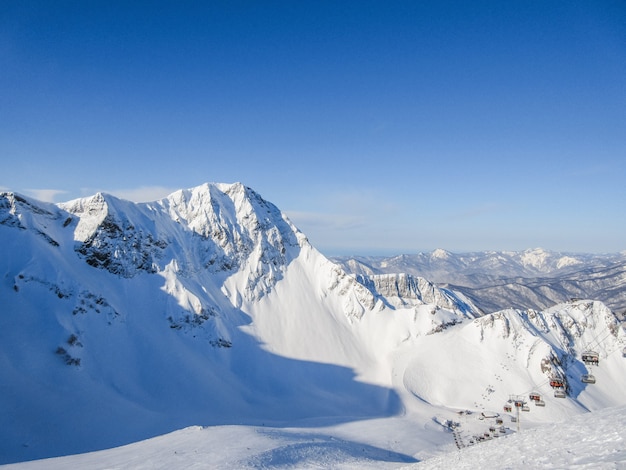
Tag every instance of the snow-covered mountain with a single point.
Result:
(124, 321)
(495, 280)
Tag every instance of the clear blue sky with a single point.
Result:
(379, 127)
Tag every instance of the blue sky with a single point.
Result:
(378, 127)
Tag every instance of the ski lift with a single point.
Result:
(525, 407)
(588, 379)
(534, 396)
(591, 357)
(557, 382)
(559, 393)
(540, 403)
(508, 408)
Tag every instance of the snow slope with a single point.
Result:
(129, 316)
(124, 321)
(588, 441)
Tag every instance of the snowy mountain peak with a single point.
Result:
(239, 231)
(236, 227)
(90, 211)
(440, 254)
(567, 261)
(535, 257)
(212, 209)
(17, 210)
(210, 307)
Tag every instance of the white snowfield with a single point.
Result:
(589, 441)
(208, 319)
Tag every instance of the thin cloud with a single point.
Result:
(143, 193)
(326, 221)
(46, 195)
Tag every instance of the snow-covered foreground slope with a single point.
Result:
(589, 441)
(123, 321)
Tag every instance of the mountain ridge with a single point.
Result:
(210, 307)
(495, 280)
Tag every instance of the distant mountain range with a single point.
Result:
(495, 280)
(123, 321)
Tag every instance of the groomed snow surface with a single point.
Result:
(589, 441)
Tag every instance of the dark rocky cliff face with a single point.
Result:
(121, 249)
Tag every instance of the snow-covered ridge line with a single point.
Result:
(405, 290)
(209, 307)
(188, 272)
(493, 280)
(232, 221)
